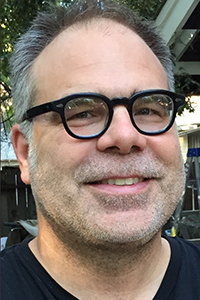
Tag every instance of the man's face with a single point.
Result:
(122, 186)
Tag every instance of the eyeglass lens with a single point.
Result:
(87, 116)
(152, 113)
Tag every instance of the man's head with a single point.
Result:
(118, 187)
(49, 25)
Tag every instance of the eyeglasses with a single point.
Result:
(88, 115)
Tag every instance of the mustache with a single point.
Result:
(103, 166)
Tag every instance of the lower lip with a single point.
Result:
(122, 189)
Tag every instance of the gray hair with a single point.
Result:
(48, 25)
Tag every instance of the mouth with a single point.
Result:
(121, 181)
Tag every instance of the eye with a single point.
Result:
(153, 105)
(86, 112)
(83, 118)
(81, 115)
(146, 112)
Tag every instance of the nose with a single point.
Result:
(121, 134)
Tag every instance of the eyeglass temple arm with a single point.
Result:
(38, 110)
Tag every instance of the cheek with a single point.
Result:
(166, 147)
(57, 146)
(73, 153)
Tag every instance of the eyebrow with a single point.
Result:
(119, 95)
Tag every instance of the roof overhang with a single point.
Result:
(179, 22)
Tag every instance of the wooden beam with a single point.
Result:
(173, 16)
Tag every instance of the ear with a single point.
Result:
(20, 146)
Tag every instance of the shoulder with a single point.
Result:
(8, 255)
(12, 270)
(11, 257)
(188, 253)
(186, 256)
(14, 253)
(23, 277)
(186, 247)
(183, 273)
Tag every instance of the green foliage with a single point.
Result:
(16, 16)
(147, 8)
(187, 86)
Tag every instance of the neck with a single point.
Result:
(117, 270)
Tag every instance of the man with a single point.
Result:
(97, 141)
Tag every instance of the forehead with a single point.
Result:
(94, 56)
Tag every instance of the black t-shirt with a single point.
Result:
(23, 278)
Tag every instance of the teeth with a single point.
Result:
(122, 181)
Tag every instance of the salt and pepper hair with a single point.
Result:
(48, 25)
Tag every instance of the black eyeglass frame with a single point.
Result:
(59, 107)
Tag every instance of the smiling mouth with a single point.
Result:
(121, 181)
